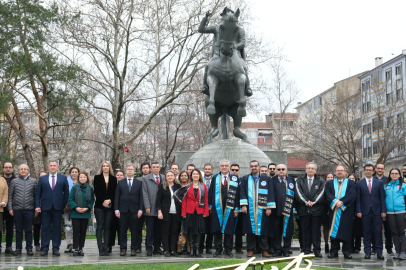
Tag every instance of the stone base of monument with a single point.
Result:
(234, 150)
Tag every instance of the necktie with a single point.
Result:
(129, 184)
(157, 180)
(369, 186)
(53, 182)
(310, 184)
(208, 182)
(225, 181)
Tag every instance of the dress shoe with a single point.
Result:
(208, 251)
(390, 252)
(37, 248)
(138, 250)
(266, 254)
(250, 254)
(286, 254)
(380, 256)
(332, 256)
(290, 252)
(167, 254)
(347, 256)
(44, 253)
(239, 251)
(76, 253)
(81, 253)
(9, 250)
(230, 254)
(56, 253)
(278, 254)
(367, 256)
(69, 249)
(318, 255)
(101, 252)
(158, 252)
(133, 252)
(217, 253)
(174, 254)
(197, 253)
(17, 252)
(29, 252)
(402, 256)
(123, 252)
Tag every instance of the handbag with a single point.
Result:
(181, 238)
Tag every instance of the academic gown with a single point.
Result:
(256, 221)
(280, 197)
(341, 220)
(228, 222)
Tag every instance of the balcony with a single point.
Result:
(263, 140)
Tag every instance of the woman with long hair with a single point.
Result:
(184, 179)
(395, 191)
(326, 224)
(115, 223)
(357, 227)
(105, 184)
(169, 212)
(195, 206)
(72, 181)
(81, 201)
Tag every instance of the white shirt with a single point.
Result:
(368, 181)
(222, 178)
(50, 179)
(172, 210)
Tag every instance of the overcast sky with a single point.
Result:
(326, 41)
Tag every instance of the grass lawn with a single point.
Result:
(161, 266)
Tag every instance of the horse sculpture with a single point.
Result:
(226, 76)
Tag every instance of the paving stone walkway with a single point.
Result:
(92, 257)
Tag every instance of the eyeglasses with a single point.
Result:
(281, 169)
(235, 170)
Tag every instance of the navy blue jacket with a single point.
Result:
(365, 200)
(47, 198)
(126, 200)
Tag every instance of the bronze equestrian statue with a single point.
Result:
(226, 75)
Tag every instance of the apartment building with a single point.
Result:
(383, 111)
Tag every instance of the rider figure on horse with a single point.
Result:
(239, 45)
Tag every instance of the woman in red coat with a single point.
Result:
(194, 207)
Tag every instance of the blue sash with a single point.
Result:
(232, 189)
(261, 203)
(337, 212)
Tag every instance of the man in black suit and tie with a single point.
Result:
(51, 199)
(371, 207)
(128, 206)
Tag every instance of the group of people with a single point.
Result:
(198, 209)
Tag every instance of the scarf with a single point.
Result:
(80, 189)
(180, 194)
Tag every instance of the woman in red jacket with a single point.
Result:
(194, 207)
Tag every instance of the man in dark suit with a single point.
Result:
(145, 170)
(284, 190)
(51, 199)
(371, 207)
(310, 208)
(128, 206)
(150, 185)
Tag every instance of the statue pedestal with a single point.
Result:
(234, 150)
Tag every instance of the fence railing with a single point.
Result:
(294, 263)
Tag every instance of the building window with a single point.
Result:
(375, 148)
(317, 102)
(376, 77)
(399, 70)
(388, 75)
(376, 124)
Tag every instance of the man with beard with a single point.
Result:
(256, 200)
(8, 174)
(272, 169)
(208, 172)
